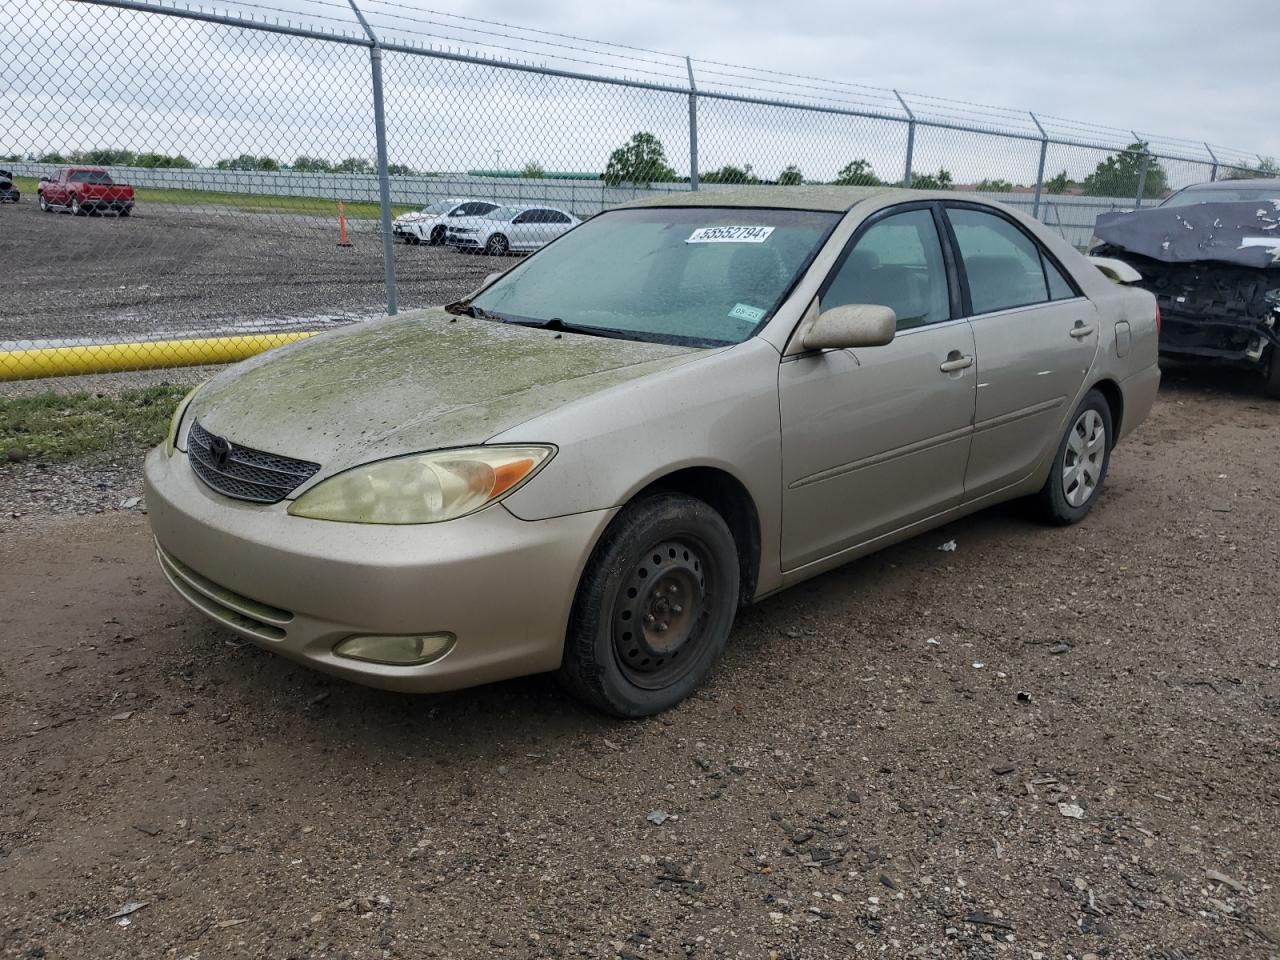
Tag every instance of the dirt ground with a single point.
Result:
(176, 269)
(1051, 742)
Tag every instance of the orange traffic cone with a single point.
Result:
(342, 226)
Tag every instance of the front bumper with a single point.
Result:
(461, 240)
(502, 586)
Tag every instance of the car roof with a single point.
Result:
(1262, 183)
(803, 197)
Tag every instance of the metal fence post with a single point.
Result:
(1213, 174)
(1142, 178)
(384, 179)
(693, 127)
(911, 139)
(1044, 150)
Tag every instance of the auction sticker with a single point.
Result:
(730, 235)
(744, 311)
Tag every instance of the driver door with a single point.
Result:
(878, 438)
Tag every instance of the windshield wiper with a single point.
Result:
(555, 323)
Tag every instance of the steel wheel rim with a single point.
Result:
(497, 246)
(660, 614)
(1083, 457)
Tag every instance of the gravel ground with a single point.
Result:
(1051, 742)
(175, 269)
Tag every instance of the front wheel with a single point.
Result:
(497, 246)
(44, 204)
(437, 236)
(654, 608)
(77, 209)
(1273, 373)
(1080, 465)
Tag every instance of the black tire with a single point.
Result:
(1061, 501)
(437, 236)
(497, 246)
(44, 204)
(77, 209)
(125, 211)
(1273, 373)
(658, 551)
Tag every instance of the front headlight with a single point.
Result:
(422, 487)
(175, 422)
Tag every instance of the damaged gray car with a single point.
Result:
(1211, 255)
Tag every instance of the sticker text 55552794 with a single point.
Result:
(730, 235)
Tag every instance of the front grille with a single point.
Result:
(245, 474)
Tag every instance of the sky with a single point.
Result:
(158, 83)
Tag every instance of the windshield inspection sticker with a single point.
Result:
(743, 311)
(730, 235)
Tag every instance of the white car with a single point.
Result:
(510, 228)
(428, 224)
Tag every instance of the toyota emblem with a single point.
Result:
(220, 451)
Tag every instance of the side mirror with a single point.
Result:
(852, 325)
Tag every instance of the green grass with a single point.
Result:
(250, 203)
(61, 426)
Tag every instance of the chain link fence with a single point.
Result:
(275, 170)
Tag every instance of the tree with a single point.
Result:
(247, 161)
(1058, 183)
(857, 173)
(354, 165)
(305, 164)
(730, 174)
(533, 170)
(994, 186)
(162, 161)
(400, 170)
(790, 177)
(1266, 168)
(931, 181)
(1120, 174)
(641, 162)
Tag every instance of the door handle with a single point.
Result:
(955, 361)
(1081, 330)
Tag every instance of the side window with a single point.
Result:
(1059, 288)
(897, 263)
(483, 208)
(462, 210)
(555, 216)
(1003, 265)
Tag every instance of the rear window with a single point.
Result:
(1244, 193)
(90, 176)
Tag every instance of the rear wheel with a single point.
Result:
(125, 211)
(497, 246)
(654, 608)
(1080, 465)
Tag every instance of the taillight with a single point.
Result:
(1159, 321)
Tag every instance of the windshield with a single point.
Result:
(502, 213)
(90, 176)
(437, 208)
(699, 275)
(1244, 193)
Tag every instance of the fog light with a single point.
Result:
(408, 651)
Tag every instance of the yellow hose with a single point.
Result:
(146, 355)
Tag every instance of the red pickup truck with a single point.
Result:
(83, 190)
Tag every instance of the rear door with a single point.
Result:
(876, 439)
(1036, 337)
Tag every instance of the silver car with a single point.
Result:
(507, 229)
(675, 410)
(429, 224)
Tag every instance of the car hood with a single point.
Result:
(1245, 234)
(418, 381)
